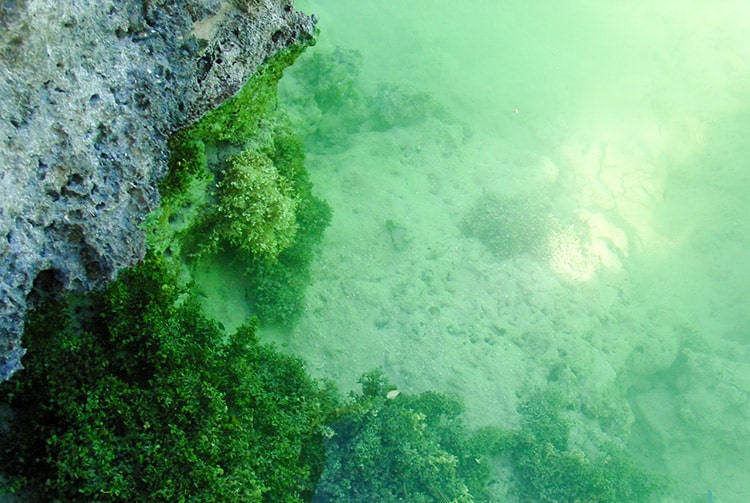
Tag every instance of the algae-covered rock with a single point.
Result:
(239, 188)
(89, 93)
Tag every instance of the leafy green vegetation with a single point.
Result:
(397, 447)
(251, 197)
(133, 395)
(256, 206)
(548, 468)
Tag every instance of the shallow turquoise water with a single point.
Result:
(605, 141)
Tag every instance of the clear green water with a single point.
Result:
(608, 141)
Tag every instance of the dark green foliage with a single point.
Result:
(252, 109)
(261, 210)
(547, 469)
(135, 396)
(187, 162)
(277, 291)
(403, 448)
(277, 288)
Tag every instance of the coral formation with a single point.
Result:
(506, 226)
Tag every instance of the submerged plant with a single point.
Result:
(133, 395)
(187, 164)
(256, 206)
(395, 447)
(261, 209)
(549, 469)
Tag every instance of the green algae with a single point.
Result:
(134, 395)
(237, 185)
(548, 467)
(255, 205)
(244, 118)
(392, 447)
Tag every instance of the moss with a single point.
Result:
(133, 395)
(404, 448)
(256, 206)
(261, 209)
(548, 469)
(187, 163)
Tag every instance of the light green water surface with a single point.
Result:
(530, 192)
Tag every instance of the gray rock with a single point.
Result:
(89, 92)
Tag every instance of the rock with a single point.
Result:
(715, 397)
(89, 92)
(400, 235)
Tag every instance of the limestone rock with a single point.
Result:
(89, 92)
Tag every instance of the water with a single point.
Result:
(606, 141)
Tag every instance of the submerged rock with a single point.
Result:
(89, 92)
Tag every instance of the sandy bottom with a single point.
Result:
(634, 294)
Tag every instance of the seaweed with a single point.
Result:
(133, 395)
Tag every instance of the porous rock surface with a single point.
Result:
(89, 92)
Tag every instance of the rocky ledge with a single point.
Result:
(90, 90)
